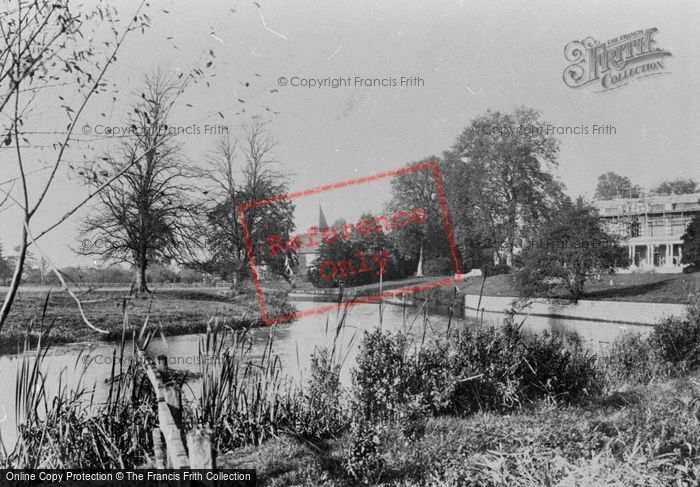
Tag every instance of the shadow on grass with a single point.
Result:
(627, 291)
(289, 460)
(617, 400)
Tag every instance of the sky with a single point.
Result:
(471, 56)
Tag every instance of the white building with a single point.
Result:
(651, 227)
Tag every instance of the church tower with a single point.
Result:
(322, 224)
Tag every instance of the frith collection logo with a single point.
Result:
(615, 63)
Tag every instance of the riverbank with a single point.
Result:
(636, 435)
(503, 409)
(172, 311)
(637, 287)
(454, 406)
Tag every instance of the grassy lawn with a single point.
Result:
(174, 311)
(647, 287)
(643, 435)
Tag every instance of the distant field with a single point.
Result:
(174, 311)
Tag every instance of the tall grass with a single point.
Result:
(68, 428)
(247, 401)
(240, 400)
(671, 349)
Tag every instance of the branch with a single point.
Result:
(94, 87)
(96, 192)
(63, 282)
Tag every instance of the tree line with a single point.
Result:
(508, 212)
(151, 205)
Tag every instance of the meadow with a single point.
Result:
(172, 311)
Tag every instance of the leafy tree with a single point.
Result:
(611, 185)
(508, 157)
(474, 235)
(567, 249)
(677, 186)
(147, 216)
(691, 244)
(416, 190)
(256, 179)
(5, 270)
(365, 252)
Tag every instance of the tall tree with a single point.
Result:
(254, 179)
(147, 216)
(565, 251)
(611, 185)
(428, 240)
(677, 186)
(691, 244)
(508, 158)
(473, 233)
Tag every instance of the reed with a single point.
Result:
(69, 428)
(247, 400)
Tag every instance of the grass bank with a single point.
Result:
(173, 311)
(498, 408)
(637, 287)
(640, 287)
(633, 436)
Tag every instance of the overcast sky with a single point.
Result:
(472, 57)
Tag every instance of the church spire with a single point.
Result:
(322, 224)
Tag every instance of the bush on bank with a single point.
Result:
(495, 369)
(555, 402)
(671, 349)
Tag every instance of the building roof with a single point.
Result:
(322, 224)
(675, 203)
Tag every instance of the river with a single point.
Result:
(294, 343)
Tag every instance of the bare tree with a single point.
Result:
(146, 216)
(42, 46)
(258, 180)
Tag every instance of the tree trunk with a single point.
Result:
(16, 279)
(141, 286)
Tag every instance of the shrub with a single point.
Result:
(363, 461)
(430, 379)
(389, 376)
(492, 369)
(380, 379)
(631, 360)
(554, 368)
(438, 266)
(319, 412)
(499, 369)
(492, 269)
(677, 341)
(671, 349)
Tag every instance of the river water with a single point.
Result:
(294, 343)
